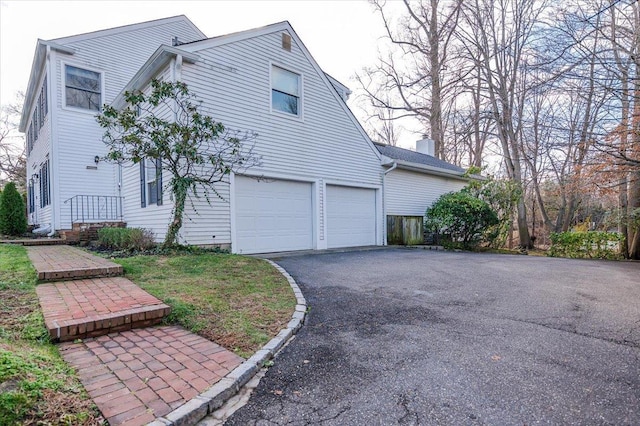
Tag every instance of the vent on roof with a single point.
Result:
(286, 42)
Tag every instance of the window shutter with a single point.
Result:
(159, 181)
(143, 184)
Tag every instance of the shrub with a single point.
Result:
(586, 245)
(460, 219)
(502, 195)
(13, 217)
(130, 239)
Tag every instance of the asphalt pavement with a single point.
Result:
(415, 337)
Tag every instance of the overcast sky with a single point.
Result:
(342, 35)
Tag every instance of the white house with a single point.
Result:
(322, 182)
(71, 78)
(415, 179)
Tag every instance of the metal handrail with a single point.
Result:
(95, 208)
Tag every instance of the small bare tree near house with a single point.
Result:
(167, 126)
(13, 160)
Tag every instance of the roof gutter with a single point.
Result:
(423, 168)
(392, 168)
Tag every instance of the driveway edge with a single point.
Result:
(207, 402)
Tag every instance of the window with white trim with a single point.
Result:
(44, 184)
(285, 91)
(150, 182)
(31, 200)
(83, 88)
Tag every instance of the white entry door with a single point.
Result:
(272, 215)
(351, 216)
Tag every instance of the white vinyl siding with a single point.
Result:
(237, 92)
(409, 193)
(351, 216)
(233, 82)
(118, 56)
(38, 139)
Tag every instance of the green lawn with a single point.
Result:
(239, 302)
(36, 385)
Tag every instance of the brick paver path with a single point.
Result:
(65, 262)
(138, 375)
(97, 306)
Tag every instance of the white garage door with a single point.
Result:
(272, 215)
(351, 216)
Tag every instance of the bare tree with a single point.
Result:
(12, 153)
(415, 71)
(499, 36)
(382, 125)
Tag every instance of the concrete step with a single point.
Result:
(54, 263)
(97, 306)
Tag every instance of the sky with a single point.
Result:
(342, 35)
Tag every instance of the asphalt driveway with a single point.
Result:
(403, 336)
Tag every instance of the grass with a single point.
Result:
(238, 302)
(36, 385)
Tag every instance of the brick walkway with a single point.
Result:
(138, 375)
(97, 306)
(133, 374)
(65, 262)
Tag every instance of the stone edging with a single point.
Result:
(207, 402)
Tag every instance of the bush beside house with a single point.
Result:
(460, 220)
(13, 219)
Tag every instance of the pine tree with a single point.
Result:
(13, 220)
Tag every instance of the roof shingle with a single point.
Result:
(402, 154)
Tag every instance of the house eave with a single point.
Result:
(423, 168)
(37, 68)
(151, 68)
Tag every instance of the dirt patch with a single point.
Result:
(15, 305)
(48, 409)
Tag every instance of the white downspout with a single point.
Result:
(53, 166)
(384, 201)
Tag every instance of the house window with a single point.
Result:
(31, 197)
(42, 103)
(44, 184)
(285, 91)
(29, 139)
(83, 88)
(150, 182)
(34, 124)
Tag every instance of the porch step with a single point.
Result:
(55, 263)
(35, 241)
(84, 232)
(95, 307)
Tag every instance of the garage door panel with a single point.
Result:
(274, 215)
(351, 216)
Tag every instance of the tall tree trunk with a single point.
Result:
(435, 118)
